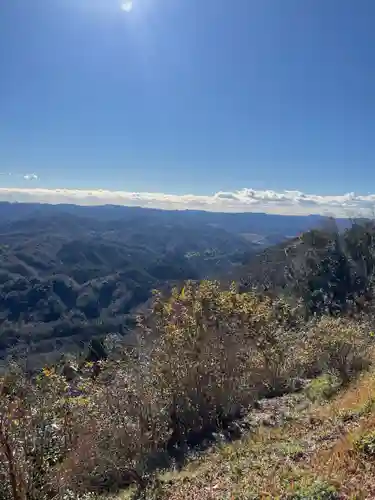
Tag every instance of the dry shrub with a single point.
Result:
(36, 432)
(204, 356)
(214, 352)
(123, 425)
(341, 345)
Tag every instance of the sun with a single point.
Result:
(127, 6)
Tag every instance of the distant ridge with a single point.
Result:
(239, 222)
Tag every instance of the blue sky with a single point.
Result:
(189, 97)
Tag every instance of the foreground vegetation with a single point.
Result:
(321, 451)
(206, 356)
(212, 365)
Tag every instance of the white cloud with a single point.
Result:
(30, 177)
(27, 177)
(244, 200)
(127, 6)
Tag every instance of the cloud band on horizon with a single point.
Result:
(244, 200)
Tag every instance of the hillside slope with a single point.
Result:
(296, 448)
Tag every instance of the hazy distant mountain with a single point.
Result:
(265, 225)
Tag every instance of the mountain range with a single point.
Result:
(69, 273)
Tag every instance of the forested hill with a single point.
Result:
(68, 273)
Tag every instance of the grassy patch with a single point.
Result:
(359, 410)
(292, 449)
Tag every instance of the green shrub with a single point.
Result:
(366, 444)
(319, 490)
(323, 387)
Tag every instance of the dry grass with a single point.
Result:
(302, 459)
